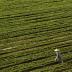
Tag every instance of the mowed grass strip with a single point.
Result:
(33, 21)
(20, 59)
(35, 64)
(22, 45)
(30, 31)
(65, 67)
(11, 8)
(17, 23)
(34, 27)
(18, 20)
(27, 32)
(14, 32)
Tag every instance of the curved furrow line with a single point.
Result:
(46, 1)
(37, 19)
(46, 19)
(41, 18)
(31, 14)
(37, 14)
(32, 36)
(49, 64)
(66, 52)
(42, 2)
(44, 40)
(25, 24)
(49, 37)
(27, 61)
(40, 54)
(32, 61)
(47, 16)
(42, 50)
(32, 47)
(31, 26)
(44, 46)
(28, 29)
(37, 27)
(30, 39)
(65, 67)
(23, 50)
(36, 39)
(33, 29)
(35, 3)
(35, 56)
(19, 33)
(27, 15)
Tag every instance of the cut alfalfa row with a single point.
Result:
(23, 45)
(48, 24)
(24, 52)
(23, 32)
(48, 35)
(38, 28)
(33, 65)
(67, 59)
(45, 22)
(31, 51)
(11, 22)
(56, 67)
(19, 8)
(33, 14)
(26, 58)
(29, 45)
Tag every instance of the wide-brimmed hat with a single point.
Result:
(56, 50)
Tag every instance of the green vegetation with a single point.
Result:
(30, 30)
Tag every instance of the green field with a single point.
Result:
(30, 30)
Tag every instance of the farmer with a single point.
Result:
(58, 56)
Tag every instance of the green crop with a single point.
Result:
(30, 31)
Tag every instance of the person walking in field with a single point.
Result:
(58, 58)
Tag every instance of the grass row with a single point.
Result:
(26, 32)
(37, 26)
(30, 24)
(65, 67)
(11, 9)
(23, 45)
(14, 59)
(34, 65)
(27, 21)
(36, 32)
